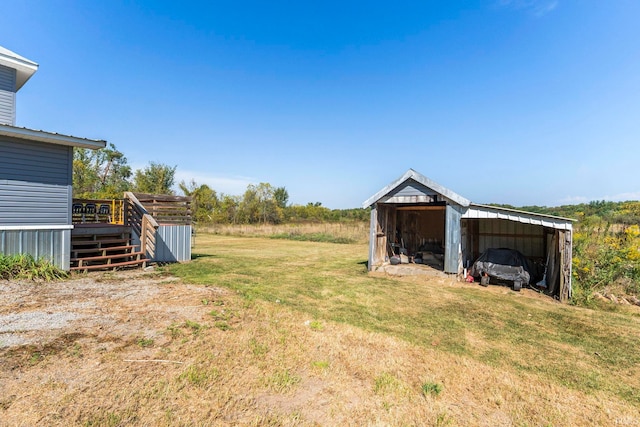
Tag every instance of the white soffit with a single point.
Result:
(24, 67)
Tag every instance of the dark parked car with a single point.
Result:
(503, 265)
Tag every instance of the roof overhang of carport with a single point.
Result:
(476, 211)
(469, 210)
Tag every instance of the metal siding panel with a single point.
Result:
(173, 243)
(409, 191)
(412, 188)
(452, 255)
(373, 220)
(52, 245)
(483, 212)
(496, 233)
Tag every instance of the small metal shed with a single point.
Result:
(419, 215)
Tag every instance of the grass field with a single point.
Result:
(521, 356)
(350, 231)
(257, 331)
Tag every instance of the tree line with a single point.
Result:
(106, 174)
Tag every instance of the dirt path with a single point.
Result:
(63, 337)
(103, 306)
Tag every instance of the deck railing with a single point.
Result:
(142, 223)
(142, 212)
(170, 210)
(106, 211)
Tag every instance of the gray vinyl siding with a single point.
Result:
(32, 161)
(7, 96)
(35, 183)
(51, 245)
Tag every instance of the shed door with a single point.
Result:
(452, 248)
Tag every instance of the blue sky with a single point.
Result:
(503, 101)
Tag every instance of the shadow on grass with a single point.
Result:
(197, 256)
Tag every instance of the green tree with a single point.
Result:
(156, 178)
(249, 209)
(259, 205)
(100, 173)
(281, 195)
(204, 200)
(269, 209)
(228, 209)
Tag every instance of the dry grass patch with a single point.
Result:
(305, 348)
(336, 232)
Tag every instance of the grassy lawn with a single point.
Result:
(591, 352)
(257, 331)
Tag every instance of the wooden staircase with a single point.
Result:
(104, 247)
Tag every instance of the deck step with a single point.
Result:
(104, 251)
(141, 262)
(104, 248)
(98, 242)
(82, 260)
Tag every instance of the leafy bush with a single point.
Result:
(25, 266)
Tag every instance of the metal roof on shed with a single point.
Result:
(421, 179)
(420, 184)
(477, 211)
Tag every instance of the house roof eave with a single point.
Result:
(24, 67)
(50, 137)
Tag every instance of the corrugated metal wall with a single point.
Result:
(498, 233)
(173, 243)
(52, 245)
(7, 96)
(31, 194)
(452, 246)
(373, 239)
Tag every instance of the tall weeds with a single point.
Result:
(606, 256)
(25, 266)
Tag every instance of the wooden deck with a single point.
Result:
(101, 238)
(104, 247)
